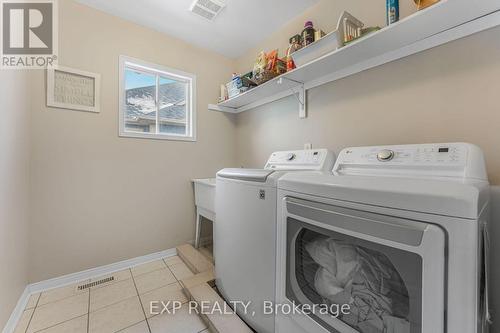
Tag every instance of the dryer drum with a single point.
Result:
(332, 268)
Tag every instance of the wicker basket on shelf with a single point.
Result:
(266, 75)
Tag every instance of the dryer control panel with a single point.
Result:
(458, 160)
(312, 159)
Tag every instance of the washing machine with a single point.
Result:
(245, 231)
(394, 240)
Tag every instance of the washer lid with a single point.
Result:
(251, 175)
(439, 197)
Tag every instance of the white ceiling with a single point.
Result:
(239, 27)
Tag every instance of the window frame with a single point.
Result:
(159, 71)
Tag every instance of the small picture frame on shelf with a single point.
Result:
(73, 89)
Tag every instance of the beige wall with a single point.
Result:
(14, 188)
(98, 198)
(445, 94)
(450, 93)
(324, 15)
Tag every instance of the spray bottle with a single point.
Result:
(392, 11)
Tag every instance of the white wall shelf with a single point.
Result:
(442, 23)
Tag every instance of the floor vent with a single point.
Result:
(96, 283)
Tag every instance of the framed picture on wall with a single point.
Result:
(73, 89)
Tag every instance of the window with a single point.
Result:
(156, 102)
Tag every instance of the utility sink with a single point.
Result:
(204, 194)
(204, 198)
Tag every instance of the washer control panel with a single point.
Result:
(313, 159)
(444, 160)
(385, 155)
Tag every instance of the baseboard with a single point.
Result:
(98, 271)
(18, 311)
(78, 277)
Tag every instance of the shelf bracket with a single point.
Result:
(301, 97)
(215, 107)
(300, 93)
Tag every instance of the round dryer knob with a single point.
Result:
(290, 156)
(385, 155)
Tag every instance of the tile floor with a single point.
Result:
(118, 306)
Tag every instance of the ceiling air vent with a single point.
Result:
(208, 9)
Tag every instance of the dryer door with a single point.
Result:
(387, 272)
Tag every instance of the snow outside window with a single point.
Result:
(156, 102)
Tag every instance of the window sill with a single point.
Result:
(157, 136)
